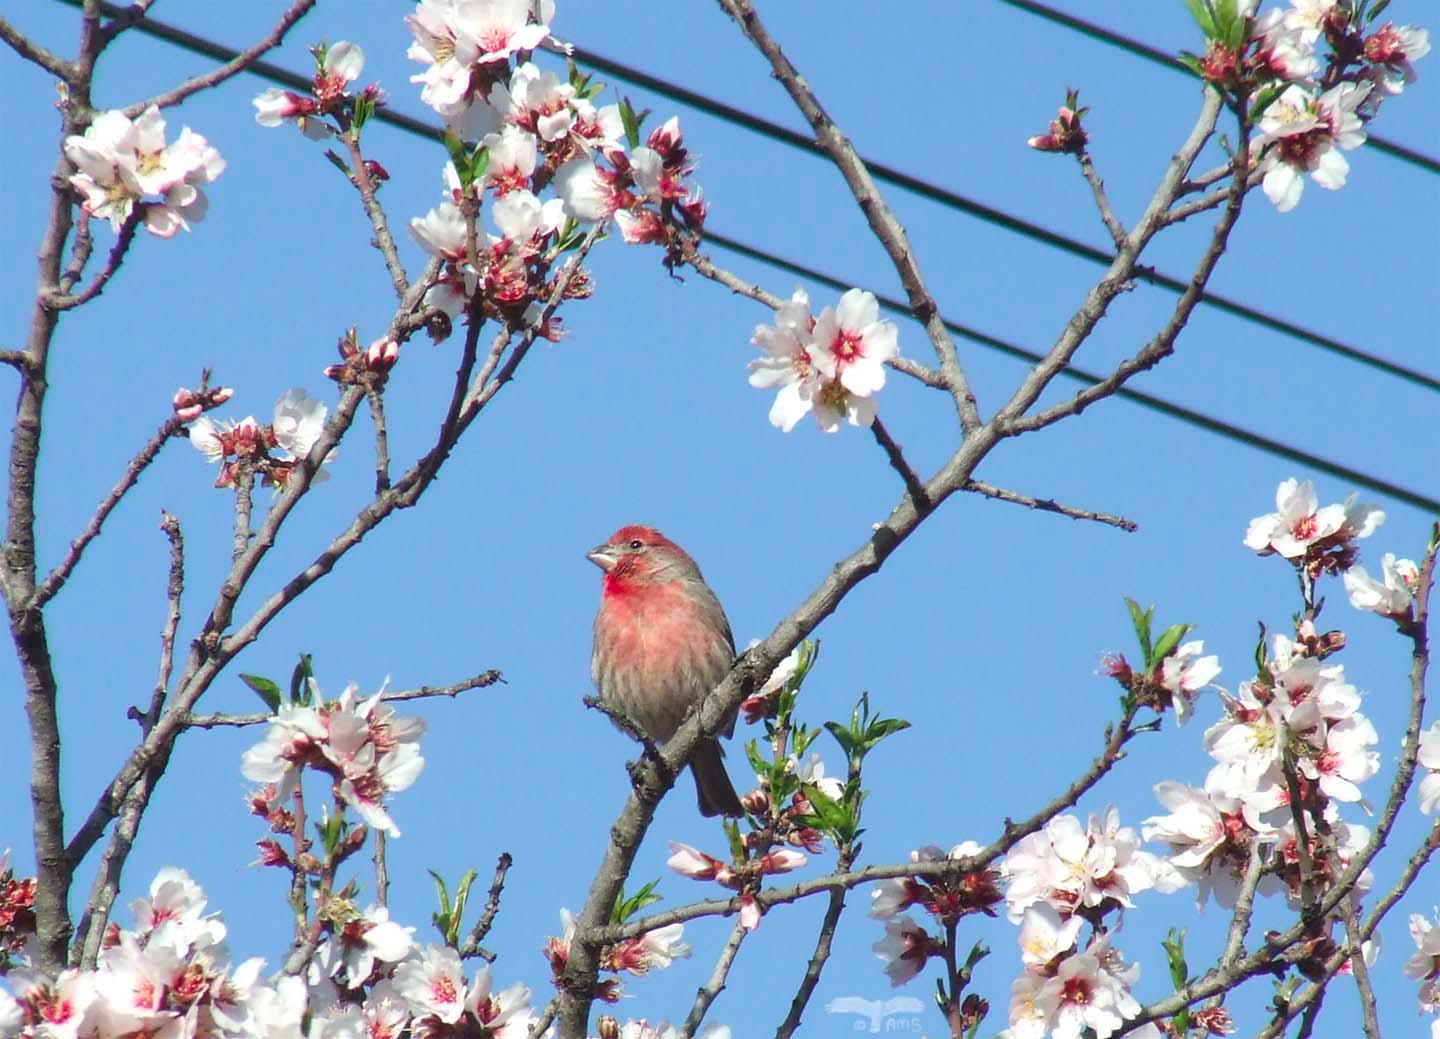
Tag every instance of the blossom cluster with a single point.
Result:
(653, 950)
(1424, 967)
(271, 451)
(336, 67)
(1318, 103)
(515, 130)
(833, 364)
(125, 170)
(362, 743)
(742, 876)
(17, 912)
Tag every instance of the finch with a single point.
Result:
(662, 643)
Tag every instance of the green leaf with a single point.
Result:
(1192, 62)
(364, 109)
(882, 728)
(265, 689)
(1204, 16)
(479, 163)
(1141, 619)
(842, 735)
(332, 832)
(1375, 11)
(1264, 100)
(1174, 946)
(1169, 639)
(300, 681)
(441, 895)
(631, 121)
(462, 895)
(626, 907)
(737, 843)
(1261, 660)
(456, 147)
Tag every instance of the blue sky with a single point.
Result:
(984, 631)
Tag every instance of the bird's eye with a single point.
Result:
(636, 544)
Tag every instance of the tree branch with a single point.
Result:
(133, 471)
(913, 484)
(1047, 505)
(384, 240)
(32, 51)
(1102, 200)
(707, 993)
(233, 67)
(65, 301)
(471, 946)
(382, 440)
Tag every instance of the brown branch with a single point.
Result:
(32, 51)
(124, 18)
(384, 240)
(710, 991)
(471, 946)
(1179, 214)
(236, 65)
(65, 301)
(1102, 200)
(1047, 505)
(883, 224)
(542, 1023)
(174, 587)
(1244, 906)
(133, 471)
(16, 359)
(244, 502)
(913, 484)
(823, 941)
(1359, 967)
(382, 871)
(216, 721)
(80, 252)
(382, 440)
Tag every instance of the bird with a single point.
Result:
(662, 643)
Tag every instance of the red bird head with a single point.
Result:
(636, 555)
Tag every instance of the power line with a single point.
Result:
(1179, 412)
(881, 171)
(1159, 57)
(1008, 221)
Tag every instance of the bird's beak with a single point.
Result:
(602, 557)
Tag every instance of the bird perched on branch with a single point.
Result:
(662, 643)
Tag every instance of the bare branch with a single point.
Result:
(828, 925)
(217, 721)
(65, 301)
(1359, 967)
(233, 67)
(1047, 505)
(384, 240)
(174, 587)
(382, 439)
(382, 871)
(244, 502)
(123, 19)
(32, 51)
(1179, 214)
(471, 945)
(80, 251)
(913, 484)
(883, 224)
(708, 992)
(1244, 906)
(147, 454)
(1102, 200)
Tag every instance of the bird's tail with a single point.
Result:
(712, 782)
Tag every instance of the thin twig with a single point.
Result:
(147, 454)
(83, 245)
(471, 945)
(1102, 201)
(124, 19)
(820, 956)
(174, 587)
(382, 871)
(384, 240)
(382, 439)
(16, 359)
(32, 51)
(883, 224)
(708, 992)
(913, 484)
(542, 1023)
(1359, 967)
(233, 67)
(215, 721)
(1244, 905)
(65, 301)
(1047, 505)
(244, 501)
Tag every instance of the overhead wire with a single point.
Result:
(1200, 420)
(1141, 49)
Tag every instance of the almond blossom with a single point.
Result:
(1392, 50)
(787, 363)
(1185, 673)
(850, 347)
(1392, 595)
(123, 164)
(1428, 756)
(904, 949)
(1304, 132)
(1319, 539)
(463, 42)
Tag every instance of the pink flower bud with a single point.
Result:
(782, 860)
(749, 912)
(220, 395)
